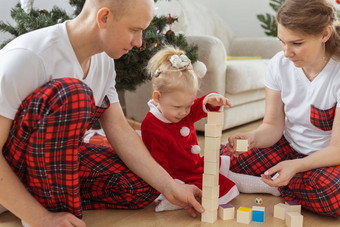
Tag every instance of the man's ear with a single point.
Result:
(156, 96)
(103, 17)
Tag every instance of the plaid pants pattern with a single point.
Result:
(317, 190)
(45, 150)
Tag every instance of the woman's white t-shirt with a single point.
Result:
(35, 58)
(298, 95)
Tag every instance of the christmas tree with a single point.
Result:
(130, 67)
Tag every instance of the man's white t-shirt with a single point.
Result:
(35, 58)
(298, 94)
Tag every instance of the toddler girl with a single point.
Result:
(168, 129)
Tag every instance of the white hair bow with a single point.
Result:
(179, 61)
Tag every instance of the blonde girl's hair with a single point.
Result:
(312, 17)
(166, 77)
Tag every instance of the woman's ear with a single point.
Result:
(156, 96)
(103, 17)
(327, 33)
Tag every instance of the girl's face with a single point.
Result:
(175, 105)
(303, 50)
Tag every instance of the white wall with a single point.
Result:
(239, 14)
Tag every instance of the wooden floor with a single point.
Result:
(147, 216)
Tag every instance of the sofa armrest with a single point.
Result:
(212, 53)
(265, 47)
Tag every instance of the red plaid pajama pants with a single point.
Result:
(317, 190)
(45, 150)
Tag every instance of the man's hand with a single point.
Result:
(60, 219)
(186, 196)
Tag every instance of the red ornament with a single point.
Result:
(337, 1)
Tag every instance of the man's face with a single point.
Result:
(124, 34)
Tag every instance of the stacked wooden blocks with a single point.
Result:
(290, 212)
(213, 133)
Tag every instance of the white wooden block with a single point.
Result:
(212, 143)
(226, 211)
(215, 118)
(211, 191)
(210, 204)
(209, 216)
(212, 168)
(280, 210)
(211, 156)
(244, 215)
(294, 219)
(210, 179)
(212, 130)
(241, 145)
(294, 206)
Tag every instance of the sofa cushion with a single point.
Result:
(245, 75)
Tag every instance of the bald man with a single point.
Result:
(54, 84)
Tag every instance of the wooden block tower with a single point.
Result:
(213, 133)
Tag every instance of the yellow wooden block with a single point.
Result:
(216, 118)
(226, 212)
(211, 191)
(210, 179)
(210, 203)
(213, 130)
(241, 145)
(212, 168)
(280, 210)
(212, 143)
(294, 219)
(209, 216)
(244, 215)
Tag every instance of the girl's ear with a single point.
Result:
(103, 16)
(156, 96)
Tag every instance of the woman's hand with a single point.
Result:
(286, 171)
(231, 142)
(187, 196)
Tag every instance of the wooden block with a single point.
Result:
(258, 214)
(211, 191)
(294, 219)
(210, 179)
(241, 145)
(209, 216)
(226, 211)
(212, 130)
(216, 118)
(212, 143)
(212, 168)
(244, 215)
(280, 210)
(210, 204)
(212, 156)
(294, 206)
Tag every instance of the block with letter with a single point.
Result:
(244, 215)
(226, 211)
(258, 214)
(241, 145)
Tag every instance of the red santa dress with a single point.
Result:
(174, 146)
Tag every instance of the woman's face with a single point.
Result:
(302, 49)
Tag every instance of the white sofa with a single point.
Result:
(239, 80)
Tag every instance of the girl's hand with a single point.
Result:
(216, 100)
(231, 142)
(286, 171)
